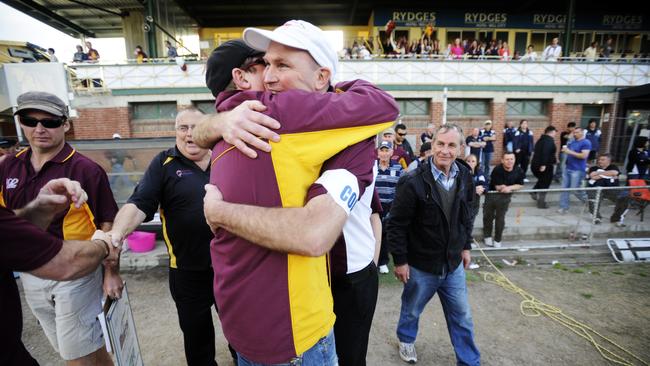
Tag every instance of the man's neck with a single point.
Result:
(41, 156)
(444, 169)
(384, 164)
(508, 170)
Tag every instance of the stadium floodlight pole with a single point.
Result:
(444, 105)
(568, 28)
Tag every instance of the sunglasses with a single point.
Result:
(402, 134)
(46, 122)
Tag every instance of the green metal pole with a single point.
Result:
(151, 34)
(568, 28)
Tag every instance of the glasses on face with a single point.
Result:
(185, 128)
(46, 122)
(402, 133)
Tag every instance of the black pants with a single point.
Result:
(383, 250)
(494, 211)
(355, 298)
(620, 201)
(521, 159)
(544, 178)
(193, 294)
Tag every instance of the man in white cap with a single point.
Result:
(282, 311)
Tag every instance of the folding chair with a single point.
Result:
(639, 197)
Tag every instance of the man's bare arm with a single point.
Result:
(242, 127)
(311, 230)
(375, 222)
(75, 259)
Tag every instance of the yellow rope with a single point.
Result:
(530, 306)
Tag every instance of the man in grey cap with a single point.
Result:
(66, 310)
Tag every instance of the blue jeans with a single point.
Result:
(323, 353)
(452, 290)
(485, 163)
(572, 179)
(560, 166)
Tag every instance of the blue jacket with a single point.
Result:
(594, 137)
(508, 135)
(524, 141)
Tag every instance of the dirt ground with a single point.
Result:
(612, 299)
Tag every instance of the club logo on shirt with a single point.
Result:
(180, 172)
(12, 183)
(349, 196)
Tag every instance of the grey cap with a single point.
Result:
(42, 101)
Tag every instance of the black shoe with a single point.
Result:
(542, 205)
(533, 195)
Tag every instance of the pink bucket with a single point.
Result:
(141, 241)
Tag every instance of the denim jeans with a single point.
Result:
(559, 169)
(572, 179)
(323, 353)
(485, 163)
(452, 290)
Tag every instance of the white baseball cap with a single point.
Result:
(297, 34)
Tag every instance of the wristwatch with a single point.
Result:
(104, 238)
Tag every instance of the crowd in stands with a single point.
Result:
(475, 49)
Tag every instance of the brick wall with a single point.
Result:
(100, 123)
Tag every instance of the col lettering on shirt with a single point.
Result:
(20, 184)
(573, 163)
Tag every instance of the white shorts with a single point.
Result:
(67, 312)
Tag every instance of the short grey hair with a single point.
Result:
(449, 127)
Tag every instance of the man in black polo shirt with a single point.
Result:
(175, 180)
(605, 174)
(505, 179)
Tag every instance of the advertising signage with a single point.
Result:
(492, 19)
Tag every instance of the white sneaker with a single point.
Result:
(562, 211)
(474, 266)
(383, 269)
(526, 180)
(488, 242)
(497, 244)
(407, 352)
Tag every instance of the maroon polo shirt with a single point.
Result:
(24, 247)
(19, 184)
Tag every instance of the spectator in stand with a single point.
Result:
(638, 159)
(530, 55)
(523, 145)
(399, 155)
(425, 153)
(509, 137)
(493, 51)
(140, 55)
(53, 58)
(565, 137)
(93, 55)
(427, 135)
(402, 142)
(426, 48)
(457, 50)
(483, 49)
(474, 50)
(607, 50)
(504, 52)
(172, 53)
(591, 53)
(605, 174)
(7, 147)
(489, 136)
(79, 56)
(480, 182)
(516, 56)
(364, 54)
(505, 179)
(553, 51)
(435, 48)
(388, 173)
(474, 144)
(593, 134)
(577, 152)
(542, 164)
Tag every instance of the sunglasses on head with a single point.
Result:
(46, 122)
